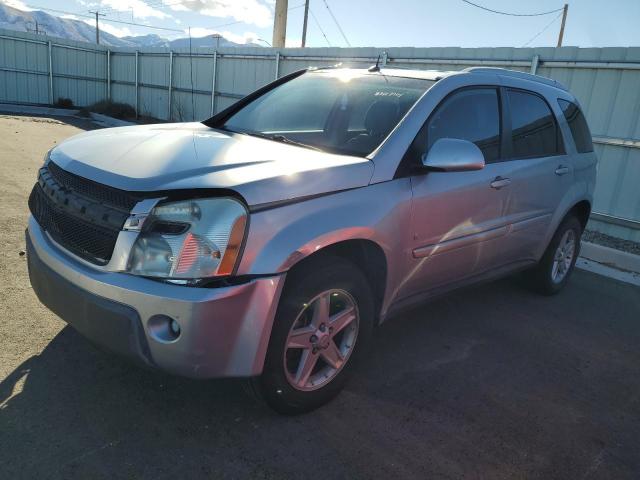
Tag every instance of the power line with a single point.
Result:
(319, 27)
(160, 5)
(512, 14)
(543, 30)
(112, 21)
(92, 17)
(336, 21)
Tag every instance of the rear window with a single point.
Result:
(578, 125)
(533, 128)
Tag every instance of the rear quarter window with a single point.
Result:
(578, 125)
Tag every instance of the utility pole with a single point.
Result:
(564, 20)
(304, 23)
(280, 23)
(98, 14)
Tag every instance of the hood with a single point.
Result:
(191, 155)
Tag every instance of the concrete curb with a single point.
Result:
(609, 262)
(609, 272)
(100, 119)
(610, 257)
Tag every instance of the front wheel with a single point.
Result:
(323, 323)
(554, 269)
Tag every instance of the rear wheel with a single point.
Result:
(323, 323)
(554, 269)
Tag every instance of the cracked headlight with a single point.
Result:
(190, 240)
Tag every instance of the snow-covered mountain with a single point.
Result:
(71, 29)
(151, 40)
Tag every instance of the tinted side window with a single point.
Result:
(578, 125)
(472, 115)
(533, 127)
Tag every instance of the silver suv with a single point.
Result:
(269, 241)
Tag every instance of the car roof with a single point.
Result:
(435, 75)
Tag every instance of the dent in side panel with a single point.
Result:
(281, 237)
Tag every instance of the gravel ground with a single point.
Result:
(612, 242)
(492, 382)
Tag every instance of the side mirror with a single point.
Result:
(453, 155)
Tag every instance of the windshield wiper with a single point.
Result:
(276, 137)
(282, 139)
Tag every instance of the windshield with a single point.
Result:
(338, 111)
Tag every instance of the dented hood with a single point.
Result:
(193, 156)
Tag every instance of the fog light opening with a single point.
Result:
(163, 328)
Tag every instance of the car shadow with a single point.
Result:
(483, 380)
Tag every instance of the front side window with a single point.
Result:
(471, 114)
(338, 111)
(578, 125)
(533, 128)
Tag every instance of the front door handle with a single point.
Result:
(500, 182)
(562, 170)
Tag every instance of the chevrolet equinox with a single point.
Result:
(268, 241)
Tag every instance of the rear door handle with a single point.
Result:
(562, 170)
(500, 182)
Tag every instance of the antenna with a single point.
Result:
(376, 67)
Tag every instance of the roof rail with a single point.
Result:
(514, 73)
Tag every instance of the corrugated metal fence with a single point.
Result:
(179, 86)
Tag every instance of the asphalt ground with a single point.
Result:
(491, 382)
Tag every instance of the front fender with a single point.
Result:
(281, 237)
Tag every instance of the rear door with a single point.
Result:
(539, 169)
(458, 217)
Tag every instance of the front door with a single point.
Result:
(458, 218)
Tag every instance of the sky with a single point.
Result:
(371, 23)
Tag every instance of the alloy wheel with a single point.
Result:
(563, 257)
(321, 340)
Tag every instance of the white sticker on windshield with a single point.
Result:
(388, 94)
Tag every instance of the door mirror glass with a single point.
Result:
(453, 155)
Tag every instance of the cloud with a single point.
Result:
(139, 8)
(17, 4)
(246, 11)
(105, 27)
(246, 37)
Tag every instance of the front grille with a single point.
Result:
(82, 216)
(97, 191)
(85, 240)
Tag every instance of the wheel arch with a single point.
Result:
(581, 208)
(582, 211)
(365, 254)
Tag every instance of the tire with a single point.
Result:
(283, 384)
(543, 278)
